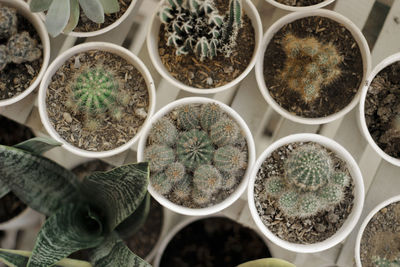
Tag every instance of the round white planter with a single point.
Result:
(59, 61)
(361, 116)
(353, 217)
(23, 9)
(251, 157)
(152, 46)
(365, 223)
(26, 218)
(358, 37)
(300, 8)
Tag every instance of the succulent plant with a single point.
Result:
(161, 183)
(22, 48)
(331, 194)
(8, 22)
(287, 203)
(383, 262)
(309, 205)
(195, 26)
(224, 132)
(210, 113)
(229, 180)
(274, 186)
(163, 131)
(159, 157)
(200, 197)
(309, 66)
(175, 172)
(340, 178)
(188, 117)
(230, 159)
(63, 16)
(207, 179)
(182, 189)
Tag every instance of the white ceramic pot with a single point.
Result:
(23, 9)
(358, 37)
(152, 45)
(59, 61)
(26, 218)
(365, 223)
(251, 157)
(353, 217)
(300, 8)
(361, 116)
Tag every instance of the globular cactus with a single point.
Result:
(274, 186)
(340, 178)
(207, 179)
(175, 172)
(224, 132)
(4, 59)
(210, 113)
(287, 203)
(22, 48)
(200, 197)
(309, 205)
(159, 157)
(383, 262)
(188, 117)
(194, 148)
(331, 194)
(229, 180)
(230, 159)
(163, 131)
(8, 22)
(160, 183)
(194, 26)
(309, 66)
(183, 188)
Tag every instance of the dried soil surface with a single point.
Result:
(109, 132)
(213, 242)
(381, 237)
(299, 2)
(210, 73)
(302, 231)
(382, 109)
(333, 97)
(16, 78)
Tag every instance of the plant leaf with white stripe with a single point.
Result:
(38, 145)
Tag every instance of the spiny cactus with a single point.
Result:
(163, 131)
(175, 172)
(288, 203)
(230, 159)
(309, 205)
(331, 194)
(383, 262)
(160, 183)
(3, 57)
(224, 132)
(340, 178)
(309, 66)
(183, 188)
(229, 180)
(22, 48)
(210, 113)
(188, 117)
(159, 157)
(195, 26)
(274, 186)
(8, 22)
(207, 179)
(200, 197)
(194, 148)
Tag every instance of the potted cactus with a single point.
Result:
(83, 18)
(82, 214)
(204, 44)
(24, 51)
(306, 193)
(107, 95)
(200, 153)
(299, 5)
(313, 66)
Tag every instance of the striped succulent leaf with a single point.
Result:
(38, 145)
(113, 252)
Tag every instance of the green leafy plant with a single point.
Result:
(8, 22)
(383, 262)
(195, 26)
(309, 66)
(63, 16)
(82, 214)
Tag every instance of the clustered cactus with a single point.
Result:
(383, 262)
(195, 26)
(19, 47)
(309, 66)
(310, 183)
(196, 154)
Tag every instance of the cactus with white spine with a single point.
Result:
(183, 188)
(188, 117)
(210, 113)
(163, 131)
(175, 172)
(160, 183)
(230, 159)
(207, 179)
(224, 132)
(159, 157)
(8, 22)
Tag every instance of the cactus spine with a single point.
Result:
(163, 131)
(159, 157)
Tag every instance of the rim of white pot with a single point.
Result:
(365, 223)
(351, 220)
(171, 234)
(25, 218)
(152, 46)
(361, 116)
(60, 60)
(34, 19)
(269, 34)
(243, 184)
(300, 8)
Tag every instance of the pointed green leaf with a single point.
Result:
(117, 192)
(113, 252)
(38, 145)
(133, 223)
(74, 16)
(73, 227)
(110, 6)
(93, 10)
(18, 258)
(37, 181)
(270, 262)
(57, 17)
(39, 5)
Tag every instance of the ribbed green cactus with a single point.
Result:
(194, 26)
(210, 113)
(183, 188)
(274, 186)
(159, 157)
(163, 131)
(340, 178)
(229, 159)
(229, 180)
(194, 148)
(175, 172)
(8, 22)
(22, 48)
(161, 183)
(207, 179)
(287, 203)
(383, 262)
(188, 117)
(224, 132)
(309, 205)
(309, 66)
(331, 194)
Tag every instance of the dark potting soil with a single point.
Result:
(213, 242)
(86, 25)
(16, 78)
(333, 96)
(210, 73)
(382, 109)
(302, 231)
(299, 2)
(10, 206)
(98, 131)
(381, 238)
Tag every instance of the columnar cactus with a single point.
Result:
(195, 26)
(159, 157)
(309, 66)
(8, 22)
(163, 131)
